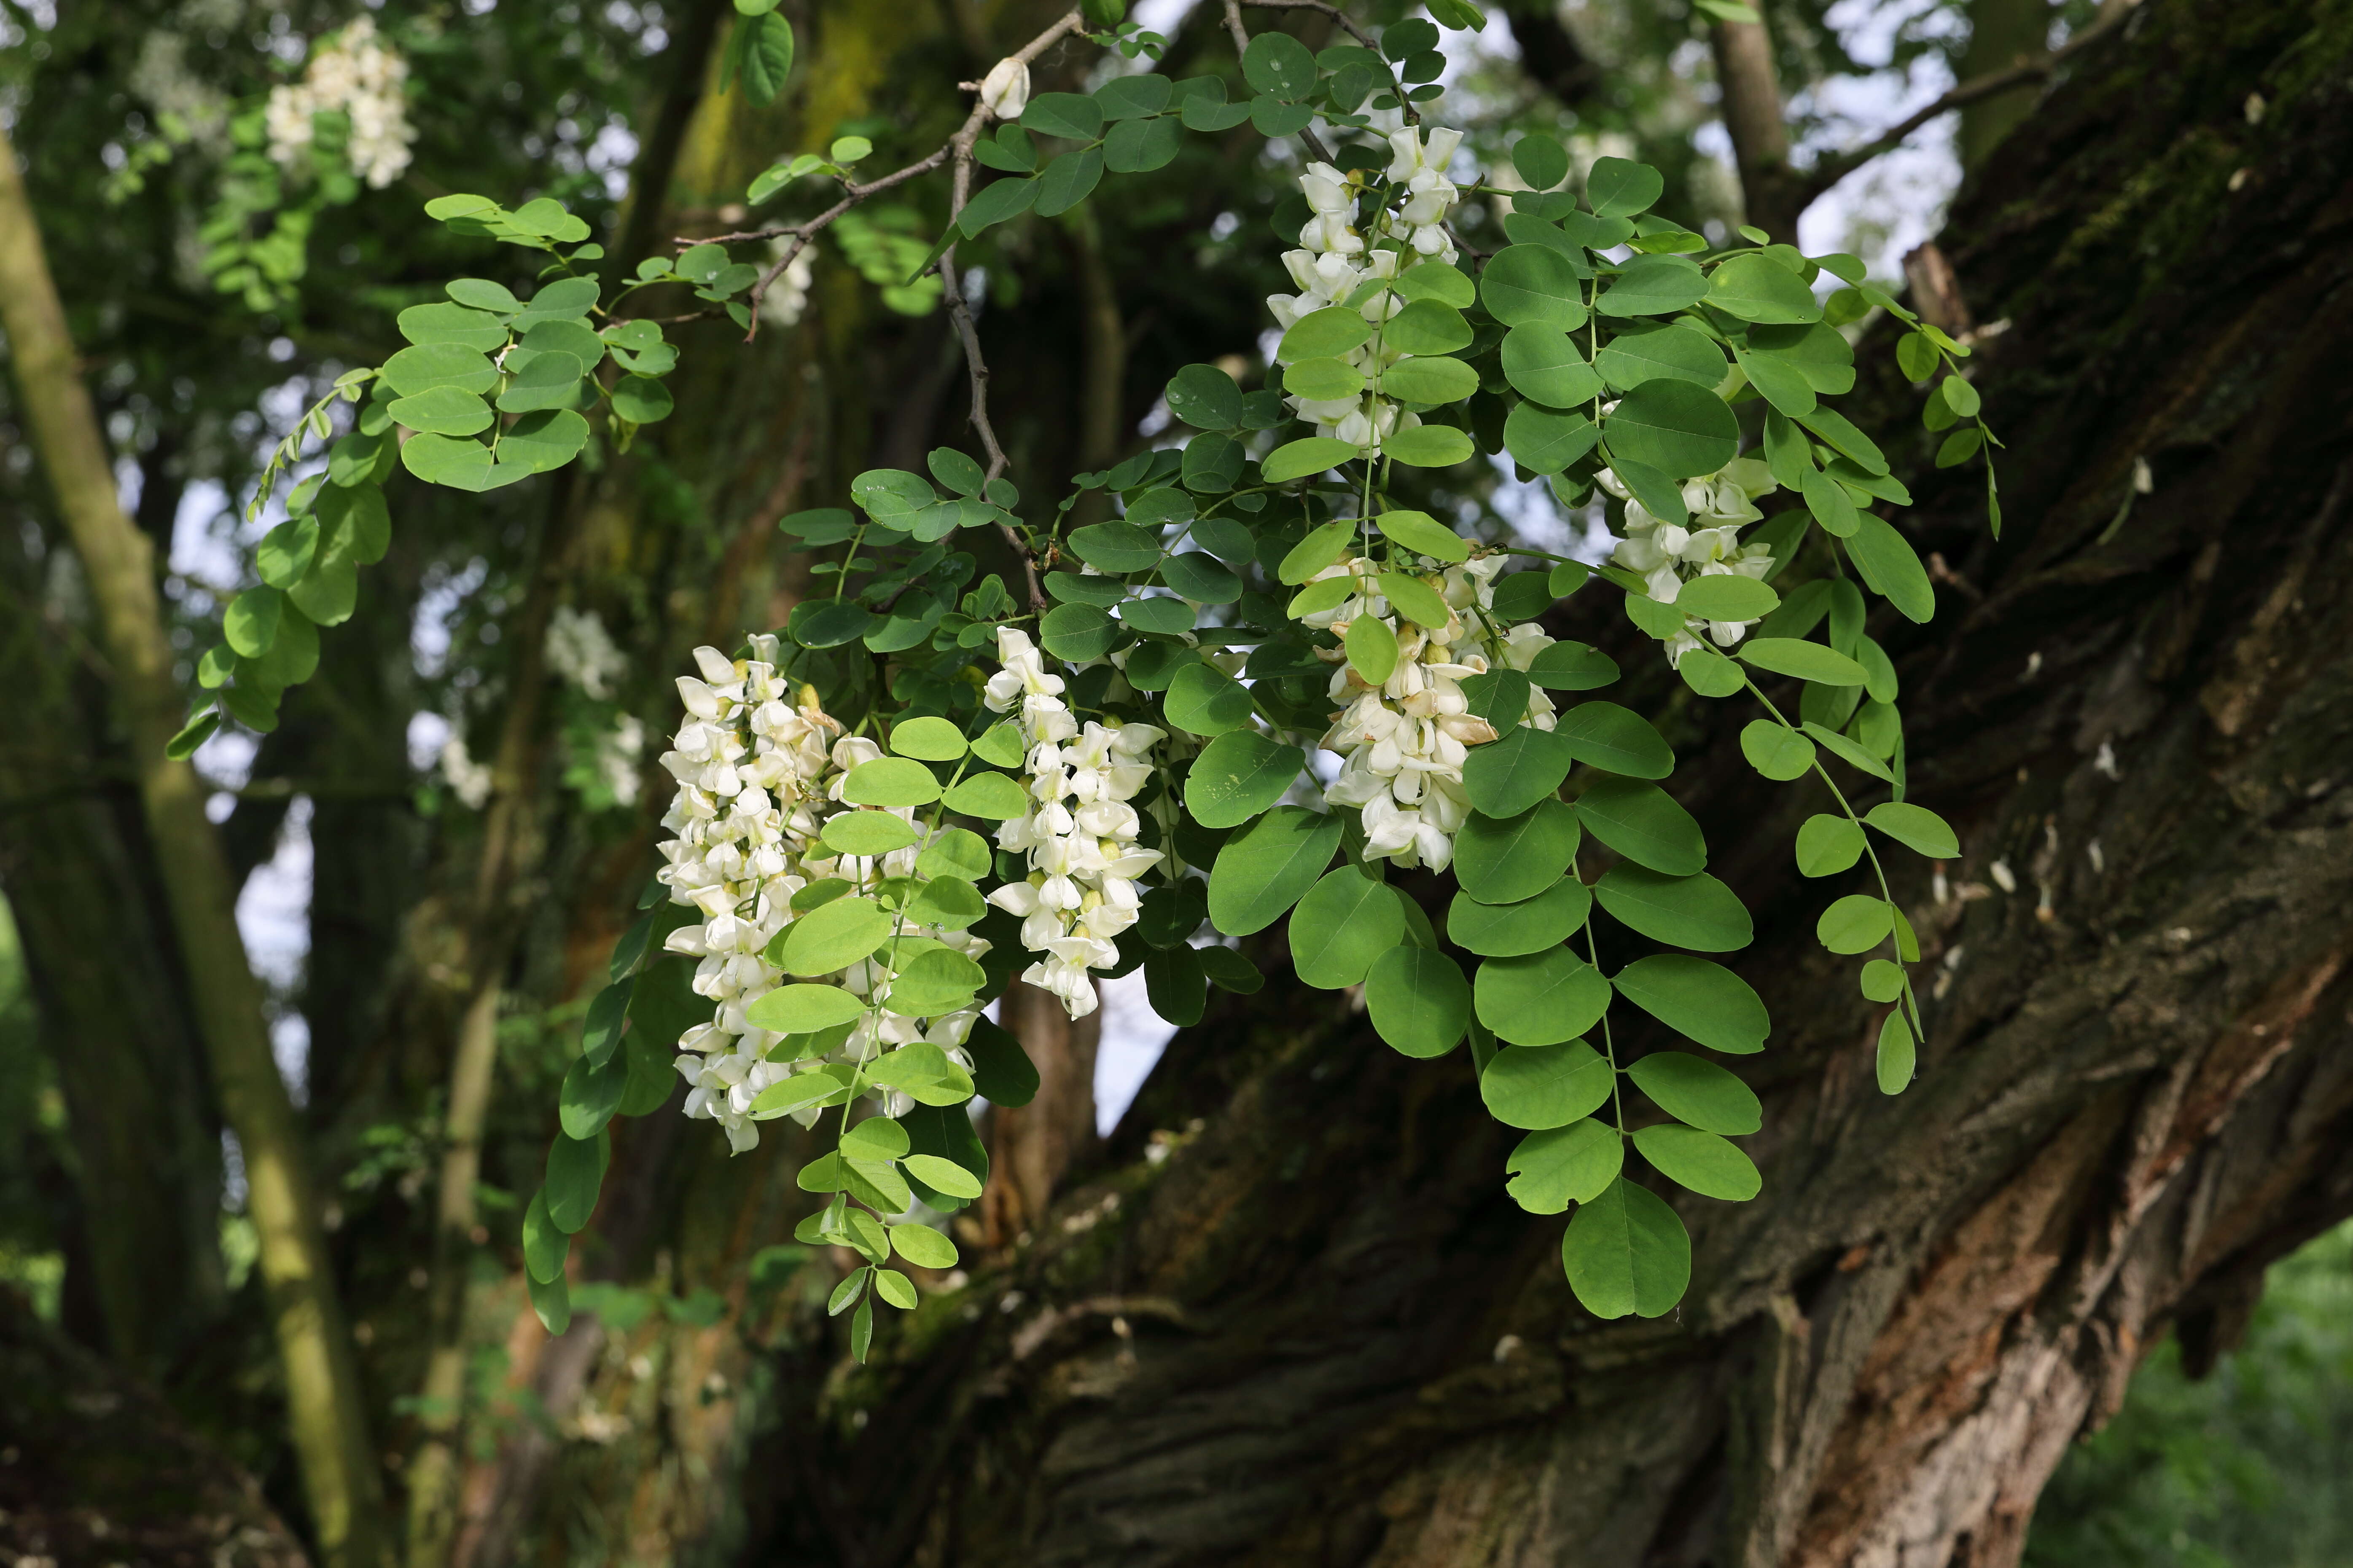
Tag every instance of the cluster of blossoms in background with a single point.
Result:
(759, 768)
(1336, 258)
(1402, 743)
(1668, 555)
(358, 76)
(1080, 838)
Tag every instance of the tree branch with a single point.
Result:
(1334, 11)
(1830, 171)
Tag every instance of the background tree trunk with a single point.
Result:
(1315, 1331)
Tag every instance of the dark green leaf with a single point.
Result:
(1696, 912)
(1699, 998)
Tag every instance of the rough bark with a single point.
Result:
(1313, 1331)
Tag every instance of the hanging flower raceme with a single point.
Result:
(1669, 554)
(759, 767)
(1402, 743)
(358, 76)
(1337, 258)
(1080, 836)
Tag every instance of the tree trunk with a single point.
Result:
(1315, 1331)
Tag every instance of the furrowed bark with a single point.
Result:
(1313, 1331)
(323, 1396)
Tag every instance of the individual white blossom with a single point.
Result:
(357, 75)
(1336, 258)
(787, 296)
(1079, 836)
(1402, 743)
(580, 651)
(468, 779)
(759, 766)
(1005, 89)
(1669, 554)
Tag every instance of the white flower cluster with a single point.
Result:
(1080, 837)
(759, 769)
(787, 296)
(1402, 743)
(580, 650)
(357, 75)
(1335, 259)
(1669, 554)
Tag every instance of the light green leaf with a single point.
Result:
(1572, 667)
(992, 798)
(1673, 426)
(921, 1245)
(1504, 860)
(1653, 286)
(1616, 187)
(1898, 1055)
(1540, 999)
(1298, 460)
(832, 936)
(889, 781)
(1434, 379)
(1756, 287)
(1562, 1166)
(866, 833)
(1618, 739)
(1429, 447)
(1203, 699)
(1505, 777)
(1727, 597)
(1510, 930)
(1425, 327)
(1323, 334)
(1781, 753)
(1805, 661)
(1238, 775)
(1372, 649)
(1545, 442)
(1703, 1161)
(575, 1170)
(1264, 869)
(251, 621)
(1417, 996)
(1891, 567)
(1916, 827)
(1856, 923)
(1626, 1251)
(1345, 921)
(942, 1175)
(1694, 1090)
(1537, 1087)
(1651, 351)
(1643, 822)
(1415, 600)
(1827, 845)
(1421, 533)
(1533, 286)
(1696, 912)
(1543, 363)
(803, 1009)
(1322, 380)
(1698, 999)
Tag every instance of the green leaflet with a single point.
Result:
(1698, 999)
(1695, 1090)
(1417, 999)
(1265, 869)
(1627, 1252)
(1537, 1087)
(1508, 776)
(1697, 912)
(1562, 1166)
(1510, 930)
(1703, 1161)
(1643, 822)
(1540, 999)
(1238, 775)
(1345, 921)
(1618, 739)
(1502, 861)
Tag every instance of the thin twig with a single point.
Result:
(1830, 171)
(959, 149)
(1334, 11)
(1316, 148)
(804, 233)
